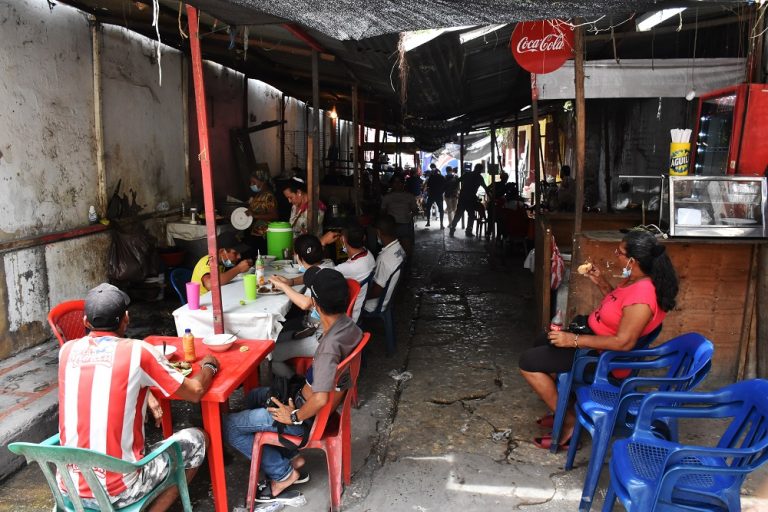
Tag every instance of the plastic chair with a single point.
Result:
(49, 453)
(606, 410)
(180, 276)
(651, 474)
(513, 226)
(331, 432)
(583, 359)
(302, 364)
(66, 320)
(385, 314)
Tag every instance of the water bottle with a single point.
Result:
(93, 217)
(188, 344)
(557, 322)
(260, 279)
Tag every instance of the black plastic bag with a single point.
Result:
(132, 255)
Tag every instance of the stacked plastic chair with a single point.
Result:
(650, 474)
(606, 409)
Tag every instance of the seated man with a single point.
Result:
(116, 374)
(230, 264)
(390, 257)
(329, 295)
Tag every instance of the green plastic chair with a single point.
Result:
(49, 453)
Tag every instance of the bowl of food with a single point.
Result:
(268, 259)
(219, 342)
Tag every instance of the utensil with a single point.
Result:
(164, 347)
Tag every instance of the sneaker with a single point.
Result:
(426, 225)
(451, 232)
(303, 478)
(469, 234)
(288, 497)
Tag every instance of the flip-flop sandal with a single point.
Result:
(545, 443)
(546, 421)
(264, 494)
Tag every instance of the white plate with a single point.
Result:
(169, 349)
(281, 264)
(240, 218)
(733, 221)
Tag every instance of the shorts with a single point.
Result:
(546, 358)
(192, 443)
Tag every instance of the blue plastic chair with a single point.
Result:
(606, 410)
(385, 314)
(49, 453)
(650, 474)
(180, 276)
(583, 359)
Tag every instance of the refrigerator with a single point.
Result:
(730, 135)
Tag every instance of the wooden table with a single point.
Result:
(236, 368)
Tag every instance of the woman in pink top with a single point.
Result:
(632, 309)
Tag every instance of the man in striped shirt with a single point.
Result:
(104, 382)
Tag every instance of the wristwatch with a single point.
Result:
(295, 417)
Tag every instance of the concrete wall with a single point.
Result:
(143, 121)
(264, 105)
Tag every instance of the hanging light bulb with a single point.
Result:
(691, 94)
(333, 113)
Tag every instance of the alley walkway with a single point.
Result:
(445, 424)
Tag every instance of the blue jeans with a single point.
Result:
(239, 428)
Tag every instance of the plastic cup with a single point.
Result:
(250, 285)
(193, 295)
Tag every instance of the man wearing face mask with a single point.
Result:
(230, 263)
(387, 262)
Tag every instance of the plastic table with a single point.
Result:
(236, 368)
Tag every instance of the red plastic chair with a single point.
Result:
(331, 432)
(66, 320)
(302, 364)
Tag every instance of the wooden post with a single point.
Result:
(313, 172)
(581, 130)
(535, 139)
(98, 119)
(461, 170)
(490, 231)
(205, 164)
(761, 342)
(282, 134)
(355, 152)
(517, 157)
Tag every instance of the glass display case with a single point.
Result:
(640, 192)
(732, 206)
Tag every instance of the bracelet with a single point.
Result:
(576, 341)
(211, 367)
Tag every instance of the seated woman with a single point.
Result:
(329, 296)
(632, 309)
(299, 338)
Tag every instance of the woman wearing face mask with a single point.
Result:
(634, 308)
(299, 339)
(262, 206)
(296, 193)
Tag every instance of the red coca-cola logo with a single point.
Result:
(542, 46)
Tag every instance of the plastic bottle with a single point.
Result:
(260, 279)
(93, 217)
(557, 322)
(188, 344)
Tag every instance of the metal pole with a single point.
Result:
(355, 150)
(580, 128)
(313, 172)
(97, 115)
(517, 157)
(205, 164)
(535, 138)
(461, 171)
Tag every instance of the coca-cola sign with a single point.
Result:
(542, 46)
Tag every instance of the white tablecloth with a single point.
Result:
(187, 231)
(256, 320)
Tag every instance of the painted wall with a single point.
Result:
(264, 105)
(143, 121)
(224, 93)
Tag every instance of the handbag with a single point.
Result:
(580, 325)
(284, 388)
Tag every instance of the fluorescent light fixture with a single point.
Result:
(479, 32)
(525, 108)
(649, 20)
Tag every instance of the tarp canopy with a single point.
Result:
(458, 80)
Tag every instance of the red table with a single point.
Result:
(236, 368)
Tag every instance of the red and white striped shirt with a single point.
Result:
(103, 384)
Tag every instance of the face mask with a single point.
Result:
(626, 271)
(302, 268)
(256, 188)
(227, 263)
(314, 314)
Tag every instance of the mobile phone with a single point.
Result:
(309, 331)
